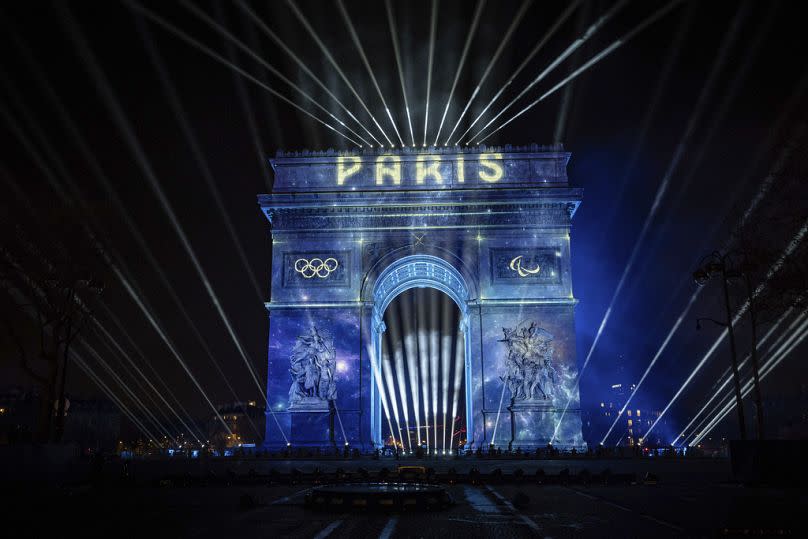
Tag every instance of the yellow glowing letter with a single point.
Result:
(461, 172)
(342, 172)
(421, 171)
(393, 171)
(496, 172)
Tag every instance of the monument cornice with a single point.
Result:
(427, 216)
(543, 150)
(361, 201)
(418, 196)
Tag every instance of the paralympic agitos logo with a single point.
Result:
(523, 271)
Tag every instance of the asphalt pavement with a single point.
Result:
(691, 499)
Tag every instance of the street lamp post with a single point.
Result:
(715, 264)
(754, 357)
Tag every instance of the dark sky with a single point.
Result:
(714, 83)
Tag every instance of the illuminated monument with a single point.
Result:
(488, 227)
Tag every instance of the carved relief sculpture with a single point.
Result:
(312, 365)
(530, 374)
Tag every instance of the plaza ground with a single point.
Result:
(694, 498)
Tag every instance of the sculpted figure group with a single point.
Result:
(530, 374)
(312, 369)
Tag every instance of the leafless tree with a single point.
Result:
(772, 247)
(50, 273)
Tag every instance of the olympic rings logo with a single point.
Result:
(316, 266)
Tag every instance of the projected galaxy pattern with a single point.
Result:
(492, 346)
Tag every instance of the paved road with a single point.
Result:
(553, 511)
(691, 499)
(480, 511)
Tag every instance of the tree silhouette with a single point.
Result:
(50, 271)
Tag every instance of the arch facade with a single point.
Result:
(488, 228)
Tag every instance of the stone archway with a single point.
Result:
(416, 271)
(488, 227)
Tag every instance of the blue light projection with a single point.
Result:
(489, 228)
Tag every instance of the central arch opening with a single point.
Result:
(421, 284)
(423, 372)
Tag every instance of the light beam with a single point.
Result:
(459, 369)
(499, 410)
(411, 351)
(659, 352)
(305, 22)
(122, 122)
(398, 356)
(555, 63)
(111, 394)
(196, 150)
(423, 355)
(782, 353)
(520, 14)
(302, 65)
(445, 360)
(728, 95)
(355, 37)
(138, 8)
(377, 375)
(472, 30)
(269, 67)
(433, 25)
(434, 365)
(113, 348)
(132, 142)
(594, 60)
(111, 340)
(764, 188)
(46, 145)
(95, 168)
(792, 245)
(539, 46)
(127, 390)
(197, 434)
(679, 153)
(728, 378)
(391, 390)
(246, 104)
(24, 301)
(391, 21)
(339, 419)
(660, 88)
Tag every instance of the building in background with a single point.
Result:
(246, 421)
(635, 420)
(18, 412)
(93, 424)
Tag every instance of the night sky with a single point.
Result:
(717, 86)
